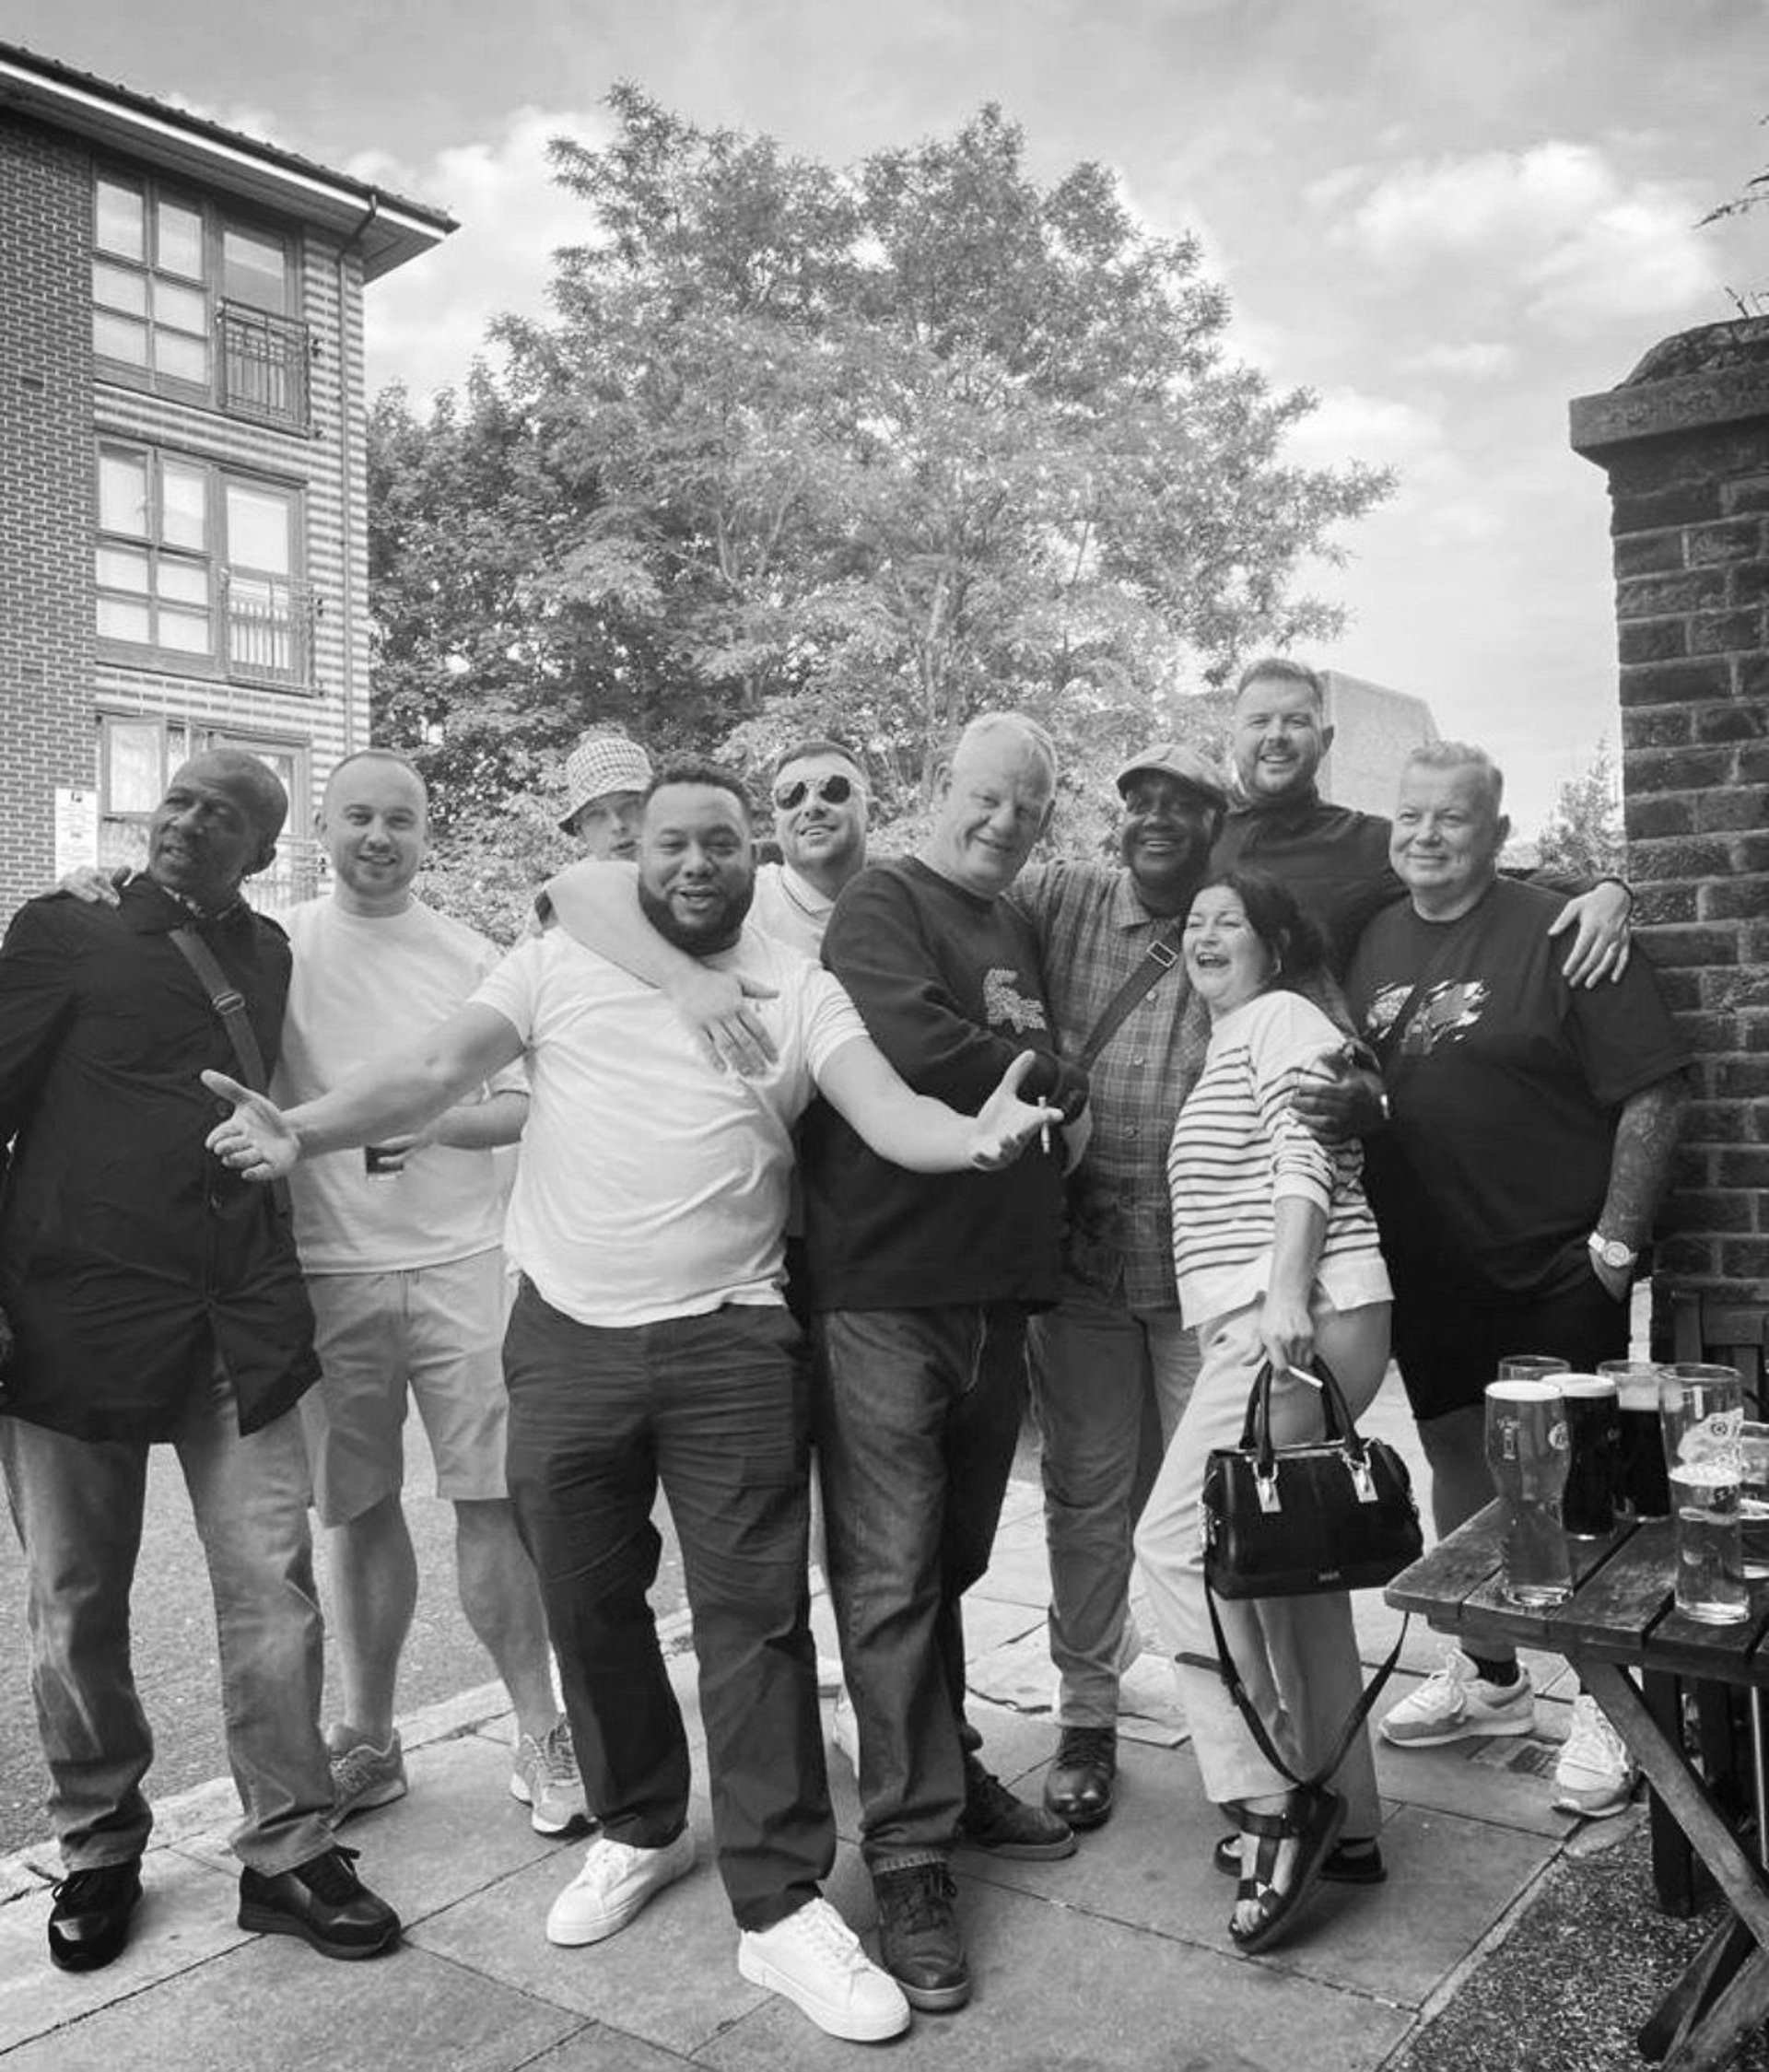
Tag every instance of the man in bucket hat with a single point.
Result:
(605, 778)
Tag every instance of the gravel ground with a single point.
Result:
(1583, 1966)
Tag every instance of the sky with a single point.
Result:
(1443, 219)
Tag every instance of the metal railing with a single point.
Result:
(268, 628)
(263, 360)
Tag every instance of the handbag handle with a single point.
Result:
(1256, 1430)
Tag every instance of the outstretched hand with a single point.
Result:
(255, 1140)
(1006, 1124)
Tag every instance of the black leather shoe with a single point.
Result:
(88, 1924)
(918, 1943)
(1080, 1783)
(994, 1819)
(321, 1901)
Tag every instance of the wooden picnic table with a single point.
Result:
(1621, 1624)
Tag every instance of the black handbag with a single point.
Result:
(1332, 1514)
(1335, 1513)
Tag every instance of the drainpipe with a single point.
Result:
(353, 242)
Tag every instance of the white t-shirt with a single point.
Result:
(790, 909)
(653, 1185)
(361, 988)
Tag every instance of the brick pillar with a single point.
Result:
(1685, 443)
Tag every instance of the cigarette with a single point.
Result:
(1044, 1136)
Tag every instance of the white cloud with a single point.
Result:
(1555, 227)
(427, 321)
(1473, 359)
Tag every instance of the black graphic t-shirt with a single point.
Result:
(1505, 1088)
(950, 989)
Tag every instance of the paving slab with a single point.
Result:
(184, 1922)
(274, 2003)
(671, 1979)
(1061, 1992)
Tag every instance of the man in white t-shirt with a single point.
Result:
(649, 1343)
(402, 1247)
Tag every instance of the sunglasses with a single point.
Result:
(834, 791)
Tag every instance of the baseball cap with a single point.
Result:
(1173, 758)
(601, 763)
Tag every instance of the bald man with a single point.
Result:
(151, 1298)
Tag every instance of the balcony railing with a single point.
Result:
(263, 361)
(268, 628)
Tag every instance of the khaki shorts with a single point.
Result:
(436, 1330)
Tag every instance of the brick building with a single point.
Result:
(182, 470)
(1684, 441)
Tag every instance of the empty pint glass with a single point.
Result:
(1526, 1449)
(1593, 1450)
(1531, 1366)
(1702, 1409)
(1642, 1490)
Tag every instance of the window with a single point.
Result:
(136, 756)
(187, 301)
(195, 560)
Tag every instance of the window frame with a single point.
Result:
(216, 222)
(215, 558)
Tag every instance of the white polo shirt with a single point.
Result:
(651, 1184)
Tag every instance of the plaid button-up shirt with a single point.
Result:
(1095, 932)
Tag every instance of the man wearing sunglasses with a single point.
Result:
(819, 797)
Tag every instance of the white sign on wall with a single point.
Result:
(76, 828)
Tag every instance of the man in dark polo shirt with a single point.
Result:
(151, 1296)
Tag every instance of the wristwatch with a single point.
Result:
(1612, 1252)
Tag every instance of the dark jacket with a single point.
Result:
(129, 1256)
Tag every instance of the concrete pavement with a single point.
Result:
(1118, 1958)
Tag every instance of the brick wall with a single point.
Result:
(1685, 444)
(46, 520)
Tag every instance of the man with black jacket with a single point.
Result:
(151, 1298)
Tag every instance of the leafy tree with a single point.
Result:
(862, 451)
(1582, 834)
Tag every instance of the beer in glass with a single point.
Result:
(1526, 1449)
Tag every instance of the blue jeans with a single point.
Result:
(1101, 1374)
(713, 1407)
(78, 1507)
(918, 1416)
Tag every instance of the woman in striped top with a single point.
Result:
(1276, 1256)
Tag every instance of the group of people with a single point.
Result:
(701, 1058)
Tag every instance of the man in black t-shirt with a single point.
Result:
(1532, 1126)
(921, 1287)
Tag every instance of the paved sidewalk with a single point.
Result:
(1118, 1958)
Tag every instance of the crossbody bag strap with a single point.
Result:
(1230, 1676)
(1160, 959)
(229, 1004)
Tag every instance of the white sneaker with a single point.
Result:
(1594, 1776)
(1456, 1702)
(616, 1880)
(814, 1957)
(844, 1728)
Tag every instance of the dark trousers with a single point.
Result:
(1448, 1341)
(918, 1414)
(715, 1407)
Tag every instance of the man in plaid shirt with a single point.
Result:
(1115, 1355)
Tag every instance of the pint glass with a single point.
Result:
(1642, 1491)
(1702, 1411)
(1754, 1499)
(1526, 1449)
(1593, 1453)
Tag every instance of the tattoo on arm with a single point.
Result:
(1646, 1136)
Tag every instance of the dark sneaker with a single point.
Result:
(918, 1943)
(994, 1819)
(88, 1924)
(321, 1901)
(1079, 1786)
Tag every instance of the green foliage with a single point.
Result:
(1582, 836)
(859, 451)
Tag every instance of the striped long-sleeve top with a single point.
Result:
(1237, 1147)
